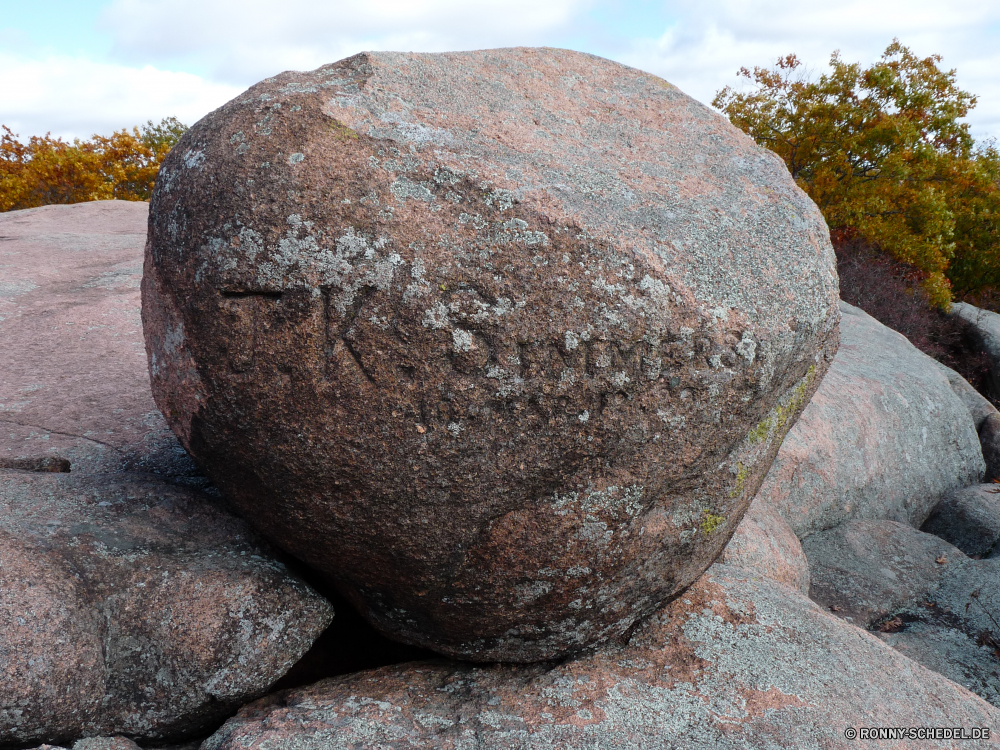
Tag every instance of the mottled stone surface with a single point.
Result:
(952, 653)
(77, 388)
(866, 571)
(985, 417)
(766, 545)
(733, 663)
(128, 605)
(986, 325)
(918, 593)
(885, 437)
(969, 518)
(502, 342)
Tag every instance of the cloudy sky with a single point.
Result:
(78, 67)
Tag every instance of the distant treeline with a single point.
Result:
(883, 154)
(49, 170)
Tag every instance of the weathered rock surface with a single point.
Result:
(74, 383)
(415, 313)
(951, 653)
(766, 545)
(128, 603)
(866, 571)
(969, 518)
(134, 606)
(984, 415)
(885, 437)
(986, 325)
(922, 595)
(732, 663)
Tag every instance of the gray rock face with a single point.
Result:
(133, 606)
(984, 415)
(866, 571)
(987, 327)
(885, 437)
(735, 662)
(766, 545)
(501, 341)
(969, 518)
(951, 653)
(922, 595)
(129, 603)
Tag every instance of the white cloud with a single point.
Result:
(73, 97)
(227, 45)
(249, 40)
(709, 42)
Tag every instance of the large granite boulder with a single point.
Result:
(502, 342)
(867, 571)
(130, 601)
(884, 438)
(733, 663)
(985, 417)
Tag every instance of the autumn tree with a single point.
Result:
(884, 154)
(49, 170)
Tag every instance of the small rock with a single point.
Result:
(968, 518)
(766, 545)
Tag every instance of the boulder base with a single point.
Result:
(503, 342)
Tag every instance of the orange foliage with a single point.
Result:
(49, 170)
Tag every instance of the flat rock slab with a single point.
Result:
(885, 437)
(132, 606)
(74, 382)
(129, 604)
(502, 342)
(733, 663)
(969, 518)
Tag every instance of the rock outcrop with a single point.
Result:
(733, 663)
(502, 342)
(986, 326)
(884, 438)
(918, 593)
(131, 602)
(75, 383)
(867, 571)
(984, 415)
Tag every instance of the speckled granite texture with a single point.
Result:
(503, 342)
(735, 662)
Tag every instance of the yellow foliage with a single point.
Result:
(882, 153)
(49, 170)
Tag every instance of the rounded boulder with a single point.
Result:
(501, 342)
